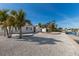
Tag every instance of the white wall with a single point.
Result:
(28, 29)
(44, 30)
(25, 29)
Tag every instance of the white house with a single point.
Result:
(38, 29)
(25, 29)
(44, 30)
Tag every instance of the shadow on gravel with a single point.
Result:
(40, 40)
(77, 41)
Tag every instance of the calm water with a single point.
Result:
(71, 33)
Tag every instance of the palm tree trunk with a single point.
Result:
(9, 32)
(20, 34)
(4, 32)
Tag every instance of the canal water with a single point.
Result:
(72, 33)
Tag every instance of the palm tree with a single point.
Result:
(10, 22)
(14, 19)
(7, 22)
(3, 18)
(20, 20)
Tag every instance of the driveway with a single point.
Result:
(40, 44)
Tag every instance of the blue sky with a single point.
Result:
(66, 15)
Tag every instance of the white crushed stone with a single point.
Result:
(40, 44)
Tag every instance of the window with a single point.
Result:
(26, 28)
(30, 28)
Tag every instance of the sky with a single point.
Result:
(66, 15)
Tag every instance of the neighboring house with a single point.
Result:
(44, 29)
(38, 29)
(25, 29)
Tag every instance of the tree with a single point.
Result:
(3, 18)
(51, 26)
(20, 20)
(42, 25)
(13, 19)
(10, 22)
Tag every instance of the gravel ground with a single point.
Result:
(75, 38)
(40, 44)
